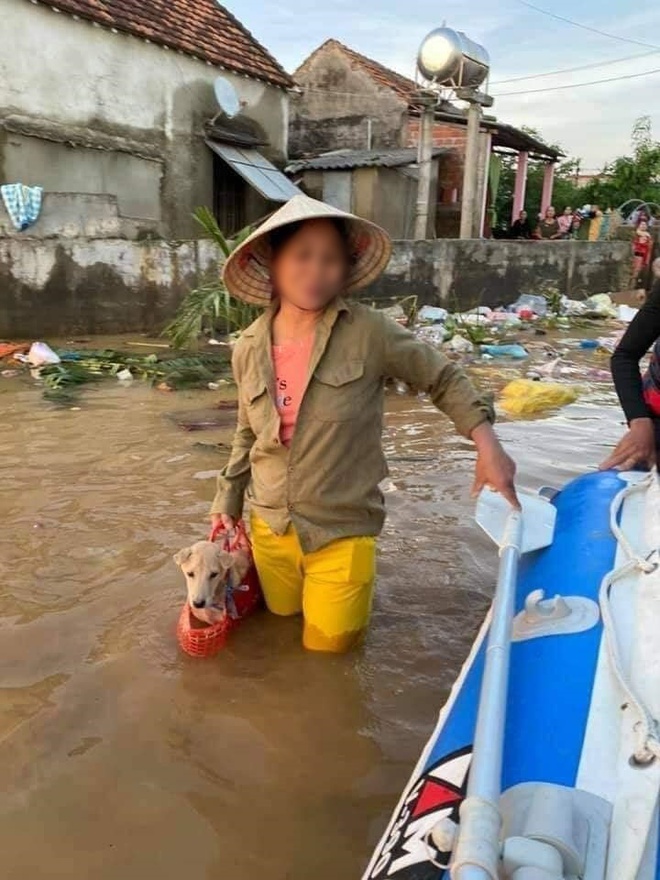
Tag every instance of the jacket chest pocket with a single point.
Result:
(339, 391)
(257, 405)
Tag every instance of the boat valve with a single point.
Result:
(527, 859)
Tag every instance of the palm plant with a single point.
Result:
(210, 306)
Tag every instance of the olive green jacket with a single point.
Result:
(327, 483)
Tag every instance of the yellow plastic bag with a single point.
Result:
(524, 396)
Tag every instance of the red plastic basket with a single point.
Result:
(201, 639)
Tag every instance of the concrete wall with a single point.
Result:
(338, 98)
(58, 287)
(86, 110)
(488, 272)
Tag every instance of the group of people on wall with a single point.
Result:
(553, 227)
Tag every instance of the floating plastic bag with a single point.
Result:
(517, 352)
(524, 396)
(600, 306)
(547, 370)
(432, 315)
(434, 334)
(41, 354)
(573, 308)
(529, 303)
(460, 344)
(626, 313)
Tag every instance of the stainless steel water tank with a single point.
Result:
(449, 58)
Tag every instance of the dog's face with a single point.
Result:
(207, 568)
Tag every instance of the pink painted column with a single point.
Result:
(520, 187)
(548, 183)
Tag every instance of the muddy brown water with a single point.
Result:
(120, 758)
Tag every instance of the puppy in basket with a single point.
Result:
(209, 570)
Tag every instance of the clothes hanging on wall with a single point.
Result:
(23, 203)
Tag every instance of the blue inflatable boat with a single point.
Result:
(579, 764)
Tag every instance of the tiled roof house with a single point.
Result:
(348, 101)
(202, 29)
(118, 121)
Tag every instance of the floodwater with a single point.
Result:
(122, 759)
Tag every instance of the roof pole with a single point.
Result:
(425, 163)
(470, 171)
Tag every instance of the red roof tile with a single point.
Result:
(403, 86)
(201, 28)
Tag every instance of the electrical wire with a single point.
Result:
(593, 64)
(594, 82)
(586, 27)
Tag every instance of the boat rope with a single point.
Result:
(647, 730)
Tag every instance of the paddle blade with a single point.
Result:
(538, 519)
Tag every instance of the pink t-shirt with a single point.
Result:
(291, 362)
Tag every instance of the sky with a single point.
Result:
(592, 123)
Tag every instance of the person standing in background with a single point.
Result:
(565, 223)
(548, 227)
(522, 228)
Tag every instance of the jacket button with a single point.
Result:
(290, 506)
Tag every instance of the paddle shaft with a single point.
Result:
(485, 780)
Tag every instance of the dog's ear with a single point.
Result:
(224, 558)
(240, 565)
(182, 556)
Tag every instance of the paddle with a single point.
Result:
(477, 851)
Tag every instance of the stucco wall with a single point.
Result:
(57, 287)
(142, 106)
(488, 272)
(337, 100)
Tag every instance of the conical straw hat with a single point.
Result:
(246, 273)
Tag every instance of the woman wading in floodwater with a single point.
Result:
(307, 450)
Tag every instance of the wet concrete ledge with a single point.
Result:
(58, 287)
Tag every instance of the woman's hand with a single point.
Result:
(494, 467)
(636, 447)
(231, 525)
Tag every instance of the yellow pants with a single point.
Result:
(332, 587)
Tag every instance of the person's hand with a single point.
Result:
(637, 447)
(494, 467)
(232, 526)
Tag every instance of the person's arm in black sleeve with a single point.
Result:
(643, 331)
(638, 445)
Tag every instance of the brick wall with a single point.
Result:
(452, 138)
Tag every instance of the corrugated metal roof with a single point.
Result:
(346, 159)
(257, 171)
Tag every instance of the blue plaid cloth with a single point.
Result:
(23, 203)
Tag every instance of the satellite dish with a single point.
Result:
(227, 97)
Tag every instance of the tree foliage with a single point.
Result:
(210, 307)
(630, 177)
